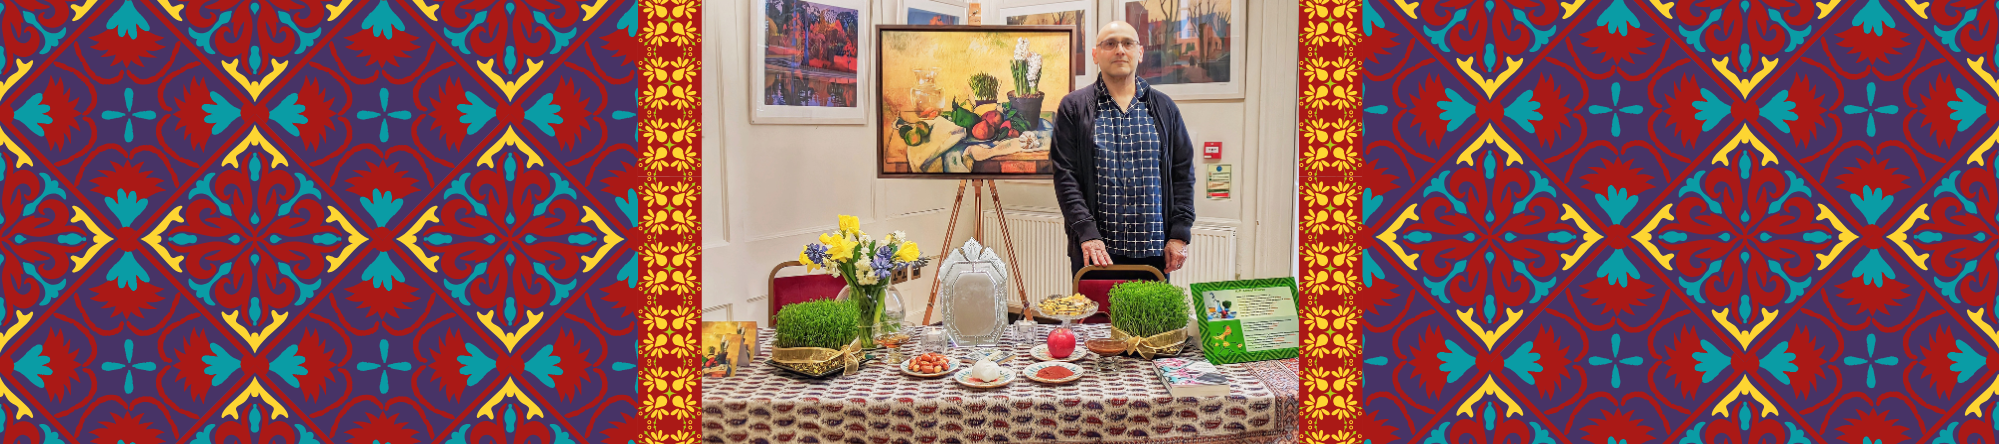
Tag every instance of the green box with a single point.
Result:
(1274, 307)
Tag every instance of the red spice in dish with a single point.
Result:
(1053, 373)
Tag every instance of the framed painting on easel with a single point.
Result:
(969, 102)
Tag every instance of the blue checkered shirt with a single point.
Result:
(1130, 208)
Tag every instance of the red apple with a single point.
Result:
(1061, 343)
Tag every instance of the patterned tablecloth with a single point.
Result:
(880, 405)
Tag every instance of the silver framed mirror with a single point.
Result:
(974, 284)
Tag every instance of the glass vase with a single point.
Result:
(881, 311)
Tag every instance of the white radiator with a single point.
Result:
(1041, 251)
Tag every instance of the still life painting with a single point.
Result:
(961, 103)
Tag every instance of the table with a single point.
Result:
(880, 405)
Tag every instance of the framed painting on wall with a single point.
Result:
(1190, 46)
(933, 12)
(806, 60)
(969, 102)
(1078, 14)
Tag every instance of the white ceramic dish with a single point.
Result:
(964, 377)
(1040, 353)
(1076, 372)
(953, 366)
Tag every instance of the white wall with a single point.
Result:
(770, 189)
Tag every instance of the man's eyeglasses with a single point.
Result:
(1109, 45)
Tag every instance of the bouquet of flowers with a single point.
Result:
(866, 265)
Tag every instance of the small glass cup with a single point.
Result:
(935, 339)
(1107, 361)
(894, 341)
(918, 341)
(1024, 331)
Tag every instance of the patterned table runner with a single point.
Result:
(880, 405)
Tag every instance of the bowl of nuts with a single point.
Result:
(1068, 309)
(929, 365)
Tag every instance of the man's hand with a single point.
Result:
(1176, 255)
(1094, 253)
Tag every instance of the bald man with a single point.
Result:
(1123, 165)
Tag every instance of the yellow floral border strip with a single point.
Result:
(670, 227)
(1329, 219)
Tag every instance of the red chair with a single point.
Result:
(801, 288)
(811, 287)
(1099, 290)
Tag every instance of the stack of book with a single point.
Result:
(1191, 377)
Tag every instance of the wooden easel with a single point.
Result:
(979, 227)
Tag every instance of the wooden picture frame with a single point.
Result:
(808, 80)
(891, 143)
(1236, 46)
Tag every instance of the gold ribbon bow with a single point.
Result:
(817, 360)
(1159, 344)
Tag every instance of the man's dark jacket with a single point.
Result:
(1074, 153)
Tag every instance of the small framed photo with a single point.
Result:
(933, 12)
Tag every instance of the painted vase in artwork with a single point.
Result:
(925, 97)
(1029, 105)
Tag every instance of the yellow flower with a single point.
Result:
(850, 224)
(908, 253)
(809, 264)
(841, 249)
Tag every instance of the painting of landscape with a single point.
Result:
(922, 17)
(1186, 41)
(811, 54)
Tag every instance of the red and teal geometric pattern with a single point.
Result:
(348, 221)
(1691, 222)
